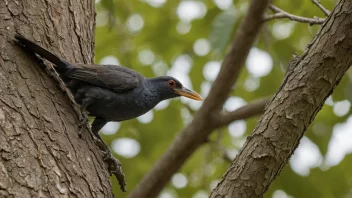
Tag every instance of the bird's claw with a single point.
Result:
(107, 156)
(114, 165)
(114, 168)
(102, 146)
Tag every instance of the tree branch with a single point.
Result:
(321, 7)
(280, 14)
(295, 105)
(254, 108)
(202, 125)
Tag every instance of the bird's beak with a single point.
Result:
(188, 93)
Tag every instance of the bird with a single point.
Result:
(110, 92)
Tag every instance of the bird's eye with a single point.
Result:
(172, 83)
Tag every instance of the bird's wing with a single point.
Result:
(113, 77)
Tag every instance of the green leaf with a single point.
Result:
(222, 28)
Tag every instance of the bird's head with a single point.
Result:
(170, 87)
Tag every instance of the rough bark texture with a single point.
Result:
(40, 152)
(302, 94)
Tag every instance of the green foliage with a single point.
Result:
(222, 29)
(160, 35)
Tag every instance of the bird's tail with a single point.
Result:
(61, 65)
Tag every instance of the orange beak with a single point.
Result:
(188, 93)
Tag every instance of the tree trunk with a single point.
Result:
(41, 154)
(306, 86)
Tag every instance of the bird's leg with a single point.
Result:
(114, 164)
(97, 124)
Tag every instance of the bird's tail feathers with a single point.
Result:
(61, 65)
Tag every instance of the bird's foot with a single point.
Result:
(102, 146)
(114, 165)
(108, 156)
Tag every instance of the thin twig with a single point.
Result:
(321, 7)
(254, 108)
(280, 14)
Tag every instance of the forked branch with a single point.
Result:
(281, 14)
(321, 7)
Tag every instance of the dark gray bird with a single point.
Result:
(111, 92)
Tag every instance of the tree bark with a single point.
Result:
(41, 154)
(303, 92)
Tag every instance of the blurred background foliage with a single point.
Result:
(188, 40)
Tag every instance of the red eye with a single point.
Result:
(172, 83)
